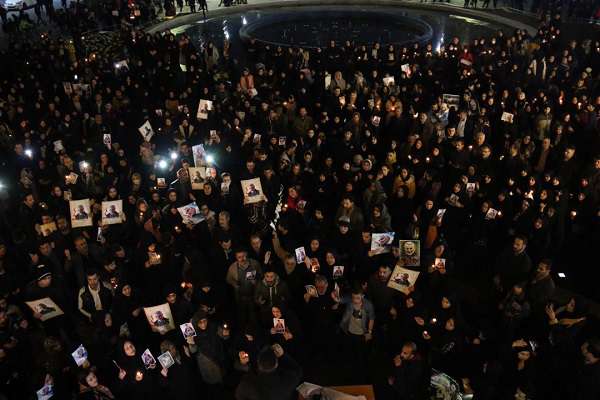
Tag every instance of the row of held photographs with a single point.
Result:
(112, 211)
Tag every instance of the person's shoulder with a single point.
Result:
(368, 303)
(232, 267)
(247, 388)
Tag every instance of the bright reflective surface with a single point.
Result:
(307, 27)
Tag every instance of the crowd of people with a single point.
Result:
(129, 232)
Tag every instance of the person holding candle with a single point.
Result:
(178, 380)
(134, 380)
(275, 378)
(209, 352)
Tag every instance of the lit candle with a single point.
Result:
(433, 320)
(573, 214)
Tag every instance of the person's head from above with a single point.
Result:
(201, 321)
(357, 298)
(224, 218)
(126, 290)
(241, 257)
(270, 278)
(451, 131)
(544, 269)
(289, 263)
(169, 346)
(571, 305)
(450, 324)
(129, 348)
(439, 250)
(255, 243)
(29, 200)
(172, 196)
(456, 188)
(429, 204)
(546, 142)
(569, 152)
(88, 379)
(267, 361)
(45, 248)
(44, 276)
(315, 244)
(383, 273)
(409, 351)
(57, 192)
(93, 280)
(377, 211)
(276, 312)
(519, 244)
(590, 350)
(446, 302)
(283, 227)
(330, 258)
(518, 289)
(404, 173)
(366, 236)
(344, 225)
(171, 296)
(321, 284)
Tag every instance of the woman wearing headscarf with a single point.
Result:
(127, 309)
(104, 339)
(135, 382)
(91, 389)
(207, 347)
(289, 336)
(178, 379)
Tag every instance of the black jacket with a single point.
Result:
(277, 385)
(87, 299)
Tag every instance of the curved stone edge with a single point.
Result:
(487, 16)
(426, 31)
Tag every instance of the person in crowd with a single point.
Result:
(276, 376)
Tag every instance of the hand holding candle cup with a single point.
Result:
(225, 331)
(244, 358)
(139, 375)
